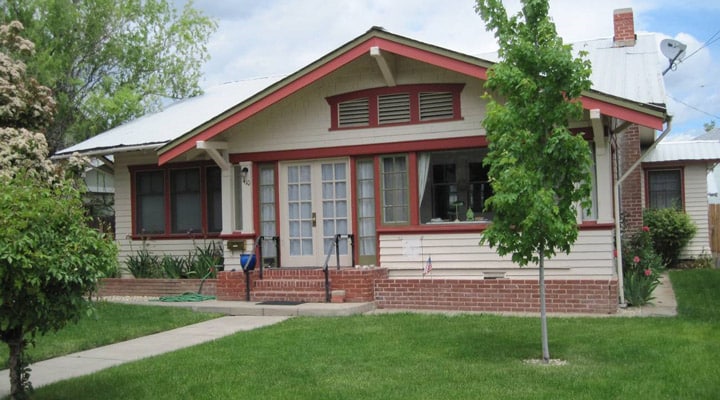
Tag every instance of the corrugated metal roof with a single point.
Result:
(156, 129)
(691, 150)
(632, 73)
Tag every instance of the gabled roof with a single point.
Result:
(685, 151)
(175, 130)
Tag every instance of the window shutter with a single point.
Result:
(353, 113)
(393, 108)
(436, 105)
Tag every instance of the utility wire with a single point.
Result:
(707, 43)
(694, 108)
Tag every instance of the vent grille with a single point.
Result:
(394, 108)
(436, 105)
(353, 113)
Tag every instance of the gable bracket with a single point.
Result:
(387, 72)
(217, 151)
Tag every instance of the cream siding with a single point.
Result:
(460, 255)
(696, 206)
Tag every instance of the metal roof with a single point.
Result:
(691, 150)
(630, 73)
(153, 130)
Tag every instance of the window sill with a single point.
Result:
(195, 236)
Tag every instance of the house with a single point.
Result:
(676, 174)
(370, 158)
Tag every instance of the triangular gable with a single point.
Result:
(399, 45)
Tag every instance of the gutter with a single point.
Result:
(616, 204)
(108, 150)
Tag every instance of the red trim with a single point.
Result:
(315, 75)
(413, 91)
(623, 113)
(452, 227)
(646, 174)
(238, 235)
(177, 236)
(362, 150)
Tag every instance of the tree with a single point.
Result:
(49, 258)
(110, 61)
(538, 169)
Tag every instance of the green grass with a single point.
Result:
(110, 323)
(419, 356)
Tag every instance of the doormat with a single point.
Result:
(280, 303)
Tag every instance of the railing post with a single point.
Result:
(351, 240)
(259, 251)
(276, 239)
(337, 250)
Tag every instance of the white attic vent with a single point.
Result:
(353, 113)
(436, 105)
(393, 108)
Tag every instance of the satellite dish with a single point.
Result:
(673, 50)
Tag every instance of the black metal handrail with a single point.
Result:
(336, 245)
(259, 244)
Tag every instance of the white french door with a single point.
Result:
(314, 207)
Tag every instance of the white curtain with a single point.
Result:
(423, 163)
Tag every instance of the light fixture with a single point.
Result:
(245, 178)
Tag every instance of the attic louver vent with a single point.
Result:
(353, 113)
(394, 108)
(437, 105)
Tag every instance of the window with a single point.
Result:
(395, 192)
(452, 182)
(266, 198)
(399, 105)
(665, 188)
(177, 200)
(366, 211)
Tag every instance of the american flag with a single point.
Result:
(428, 267)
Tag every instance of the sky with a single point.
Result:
(277, 37)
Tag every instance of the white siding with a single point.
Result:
(696, 206)
(303, 120)
(460, 255)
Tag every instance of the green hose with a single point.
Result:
(190, 296)
(187, 296)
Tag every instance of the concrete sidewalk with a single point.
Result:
(89, 361)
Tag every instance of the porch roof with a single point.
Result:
(685, 151)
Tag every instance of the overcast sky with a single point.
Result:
(277, 37)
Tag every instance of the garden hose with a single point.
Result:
(190, 296)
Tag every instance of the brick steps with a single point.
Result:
(289, 285)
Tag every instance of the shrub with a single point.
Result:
(641, 267)
(671, 230)
(202, 260)
(144, 264)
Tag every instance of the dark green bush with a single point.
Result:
(671, 230)
(201, 262)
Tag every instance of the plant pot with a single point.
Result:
(248, 259)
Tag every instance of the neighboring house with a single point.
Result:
(713, 178)
(381, 138)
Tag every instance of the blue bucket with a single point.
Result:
(248, 259)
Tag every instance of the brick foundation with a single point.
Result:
(498, 295)
(154, 287)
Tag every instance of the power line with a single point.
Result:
(694, 108)
(707, 43)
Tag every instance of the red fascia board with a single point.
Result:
(362, 150)
(315, 75)
(623, 113)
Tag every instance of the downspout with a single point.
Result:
(616, 204)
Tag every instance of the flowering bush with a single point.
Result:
(641, 267)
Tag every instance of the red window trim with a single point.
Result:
(414, 92)
(678, 168)
(202, 166)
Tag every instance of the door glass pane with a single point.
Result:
(334, 190)
(267, 213)
(300, 210)
(366, 210)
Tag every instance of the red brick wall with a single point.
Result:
(358, 284)
(497, 295)
(154, 287)
(631, 189)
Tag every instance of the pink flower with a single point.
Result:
(636, 259)
(646, 229)
(648, 272)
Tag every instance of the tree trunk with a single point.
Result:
(543, 313)
(16, 346)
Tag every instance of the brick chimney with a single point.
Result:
(624, 28)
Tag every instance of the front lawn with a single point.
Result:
(111, 323)
(419, 356)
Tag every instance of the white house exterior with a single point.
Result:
(379, 139)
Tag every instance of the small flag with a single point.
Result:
(428, 267)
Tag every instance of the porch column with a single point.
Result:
(603, 171)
